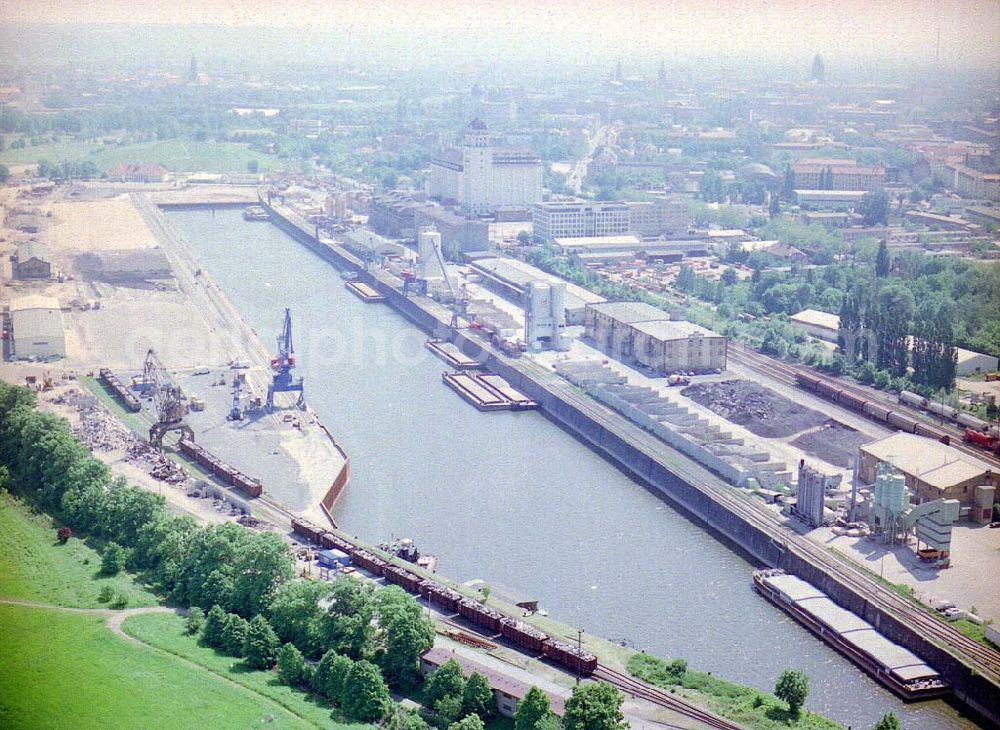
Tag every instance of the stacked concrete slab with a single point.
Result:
(677, 426)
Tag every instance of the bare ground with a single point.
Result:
(759, 410)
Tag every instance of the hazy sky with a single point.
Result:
(904, 30)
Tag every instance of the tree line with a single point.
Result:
(348, 642)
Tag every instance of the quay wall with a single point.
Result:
(621, 442)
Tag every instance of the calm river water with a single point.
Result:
(510, 497)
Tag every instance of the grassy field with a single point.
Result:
(62, 670)
(35, 567)
(166, 631)
(177, 155)
(749, 707)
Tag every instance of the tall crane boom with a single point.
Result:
(168, 399)
(283, 381)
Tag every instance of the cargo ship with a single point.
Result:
(897, 668)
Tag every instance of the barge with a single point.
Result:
(364, 292)
(452, 355)
(488, 392)
(899, 669)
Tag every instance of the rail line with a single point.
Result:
(983, 660)
(647, 692)
(785, 373)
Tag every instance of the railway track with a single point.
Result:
(785, 373)
(640, 689)
(979, 657)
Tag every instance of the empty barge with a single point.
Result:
(897, 668)
(452, 355)
(364, 292)
(488, 392)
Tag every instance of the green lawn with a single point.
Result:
(166, 631)
(35, 567)
(177, 155)
(749, 707)
(63, 670)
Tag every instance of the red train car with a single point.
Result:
(479, 614)
(306, 529)
(582, 662)
(440, 596)
(982, 440)
(332, 542)
(852, 401)
(877, 410)
(522, 634)
(828, 389)
(806, 380)
(371, 563)
(406, 580)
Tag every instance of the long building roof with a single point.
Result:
(928, 460)
(630, 312)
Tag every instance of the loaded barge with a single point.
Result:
(364, 292)
(897, 668)
(487, 392)
(448, 352)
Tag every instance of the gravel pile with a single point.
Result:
(834, 443)
(759, 410)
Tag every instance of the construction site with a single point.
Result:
(144, 335)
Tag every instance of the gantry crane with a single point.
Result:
(168, 400)
(283, 381)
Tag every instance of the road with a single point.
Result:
(579, 172)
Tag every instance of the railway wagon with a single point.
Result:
(522, 634)
(128, 397)
(806, 380)
(582, 662)
(248, 485)
(406, 580)
(440, 596)
(479, 614)
(371, 563)
(306, 529)
(828, 390)
(332, 542)
(903, 423)
(930, 432)
(851, 400)
(877, 410)
(970, 421)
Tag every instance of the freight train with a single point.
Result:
(977, 431)
(833, 391)
(128, 398)
(228, 474)
(519, 633)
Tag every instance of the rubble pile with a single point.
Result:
(98, 430)
(760, 410)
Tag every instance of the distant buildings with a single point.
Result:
(31, 261)
(842, 174)
(970, 183)
(641, 333)
(483, 175)
(585, 218)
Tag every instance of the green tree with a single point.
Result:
(347, 625)
(774, 207)
(4, 173)
(477, 697)
(408, 633)
(792, 687)
(253, 167)
(406, 720)
(262, 564)
(291, 666)
(331, 673)
(472, 722)
(234, 634)
(261, 648)
(295, 613)
(194, 621)
(889, 721)
(882, 260)
(874, 208)
(447, 680)
(211, 632)
(594, 707)
(729, 277)
(366, 696)
(532, 709)
(113, 559)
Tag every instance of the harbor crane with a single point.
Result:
(171, 407)
(283, 381)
